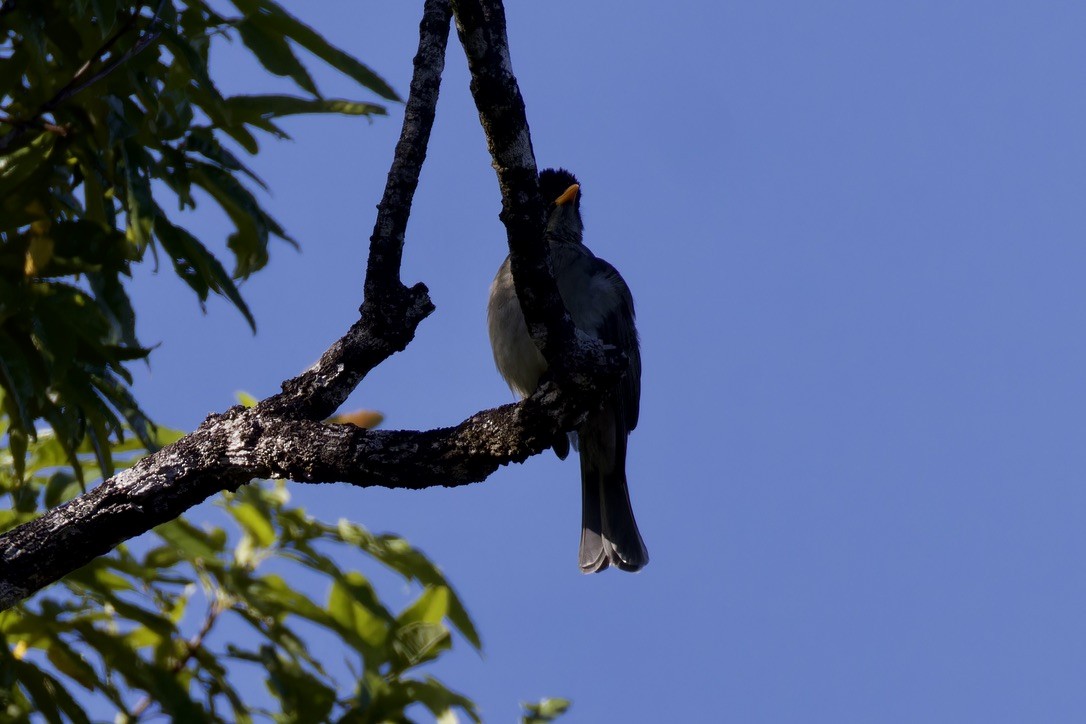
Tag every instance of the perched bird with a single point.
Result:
(601, 306)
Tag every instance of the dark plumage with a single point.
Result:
(553, 181)
(601, 306)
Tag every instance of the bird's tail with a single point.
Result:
(609, 534)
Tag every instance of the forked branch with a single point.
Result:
(282, 436)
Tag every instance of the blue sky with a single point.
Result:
(854, 232)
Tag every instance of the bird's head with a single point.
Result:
(562, 194)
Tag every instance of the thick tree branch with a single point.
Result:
(312, 452)
(227, 451)
(155, 490)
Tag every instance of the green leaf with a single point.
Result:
(430, 607)
(162, 685)
(274, 106)
(273, 51)
(119, 396)
(201, 88)
(72, 664)
(250, 242)
(349, 604)
(547, 710)
(220, 682)
(68, 429)
(279, 635)
(246, 399)
(47, 452)
(18, 166)
(61, 487)
(420, 634)
(43, 689)
(438, 698)
(163, 557)
(254, 522)
(278, 19)
(97, 577)
(188, 540)
(17, 443)
(397, 554)
(83, 246)
(202, 141)
(198, 266)
(106, 13)
(273, 595)
(18, 382)
(418, 643)
(153, 621)
(303, 696)
(112, 299)
(139, 204)
(25, 499)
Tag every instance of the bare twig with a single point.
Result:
(46, 126)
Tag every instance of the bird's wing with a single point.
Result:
(616, 328)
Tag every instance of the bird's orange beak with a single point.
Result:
(568, 195)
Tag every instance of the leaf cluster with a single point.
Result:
(143, 630)
(111, 126)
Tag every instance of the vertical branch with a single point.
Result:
(386, 243)
(482, 30)
(390, 312)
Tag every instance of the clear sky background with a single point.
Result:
(855, 234)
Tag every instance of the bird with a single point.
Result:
(601, 306)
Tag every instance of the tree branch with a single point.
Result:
(386, 243)
(282, 436)
(164, 485)
(482, 30)
(311, 452)
(229, 450)
(390, 312)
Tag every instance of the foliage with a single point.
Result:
(143, 630)
(546, 710)
(109, 117)
(111, 128)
